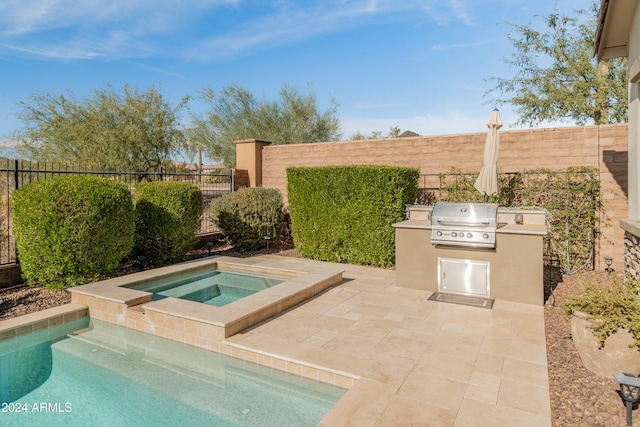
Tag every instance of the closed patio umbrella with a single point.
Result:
(487, 182)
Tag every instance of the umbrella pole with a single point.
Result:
(486, 197)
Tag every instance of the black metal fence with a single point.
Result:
(17, 173)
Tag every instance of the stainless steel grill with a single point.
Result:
(464, 224)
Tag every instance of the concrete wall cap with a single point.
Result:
(251, 140)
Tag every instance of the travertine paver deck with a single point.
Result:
(420, 363)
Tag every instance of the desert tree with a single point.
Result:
(132, 130)
(557, 77)
(235, 114)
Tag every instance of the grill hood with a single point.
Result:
(465, 214)
(464, 224)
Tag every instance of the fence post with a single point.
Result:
(15, 174)
(160, 174)
(16, 186)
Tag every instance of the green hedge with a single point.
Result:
(167, 219)
(246, 216)
(345, 213)
(71, 229)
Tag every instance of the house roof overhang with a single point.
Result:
(614, 26)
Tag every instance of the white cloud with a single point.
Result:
(284, 26)
(27, 16)
(427, 125)
(371, 105)
(446, 47)
(8, 148)
(290, 24)
(7, 142)
(68, 51)
(84, 29)
(461, 12)
(432, 124)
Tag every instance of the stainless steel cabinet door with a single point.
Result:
(463, 276)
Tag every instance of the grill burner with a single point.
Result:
(464, 224)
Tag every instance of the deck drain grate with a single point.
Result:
(462, 299)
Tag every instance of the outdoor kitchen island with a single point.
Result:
(509, 268)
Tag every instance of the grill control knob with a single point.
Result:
(469, 235)
(454, 234)
(485, 236)
(439, 233)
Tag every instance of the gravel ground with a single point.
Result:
(578, 397)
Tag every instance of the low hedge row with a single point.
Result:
(246, 216)
(345, 213)
(167, 219)
(69, 230)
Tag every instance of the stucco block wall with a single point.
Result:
(604, 147)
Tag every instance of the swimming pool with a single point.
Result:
(213, 287)
(109, 375)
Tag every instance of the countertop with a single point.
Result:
(504, 228)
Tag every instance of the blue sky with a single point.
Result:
(422, 65)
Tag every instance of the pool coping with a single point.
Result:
(71, 312)
(33, 322)
(193, 323)
(209, 326)
(113, 300)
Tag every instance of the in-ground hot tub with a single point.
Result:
(123, 301)
(214, 287)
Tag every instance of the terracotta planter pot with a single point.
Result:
(615, 356)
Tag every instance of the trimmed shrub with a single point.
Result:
(71, 229)
(615, 305)
(167, 219)
(246, 216)
(345, 213)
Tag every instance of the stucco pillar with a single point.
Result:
(249, 158)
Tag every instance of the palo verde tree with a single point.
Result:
(557, 77)
(129, 129)
(235, 114)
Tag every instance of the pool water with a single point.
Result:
(215, 287)
(109, 375)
